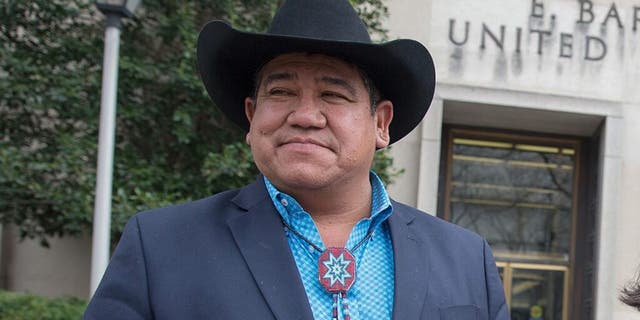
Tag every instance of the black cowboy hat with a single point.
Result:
(402, 70)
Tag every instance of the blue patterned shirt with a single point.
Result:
(371, 295)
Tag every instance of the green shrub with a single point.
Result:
(19, 306)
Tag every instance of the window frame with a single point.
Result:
(577, 144)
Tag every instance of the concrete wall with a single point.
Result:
(546, 72)
(61, 270)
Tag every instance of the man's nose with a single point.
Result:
(307, 113)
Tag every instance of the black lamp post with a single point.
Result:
(121, 8)
(114, 10)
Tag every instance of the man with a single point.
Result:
(316, 236)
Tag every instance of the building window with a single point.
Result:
(519, 192)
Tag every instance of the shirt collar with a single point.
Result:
(289, 209)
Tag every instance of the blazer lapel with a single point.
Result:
(260, 236)
(411, 266)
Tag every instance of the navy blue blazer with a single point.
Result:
(227, 257)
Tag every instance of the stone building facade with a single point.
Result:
(532, 142)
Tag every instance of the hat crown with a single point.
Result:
(319, 19)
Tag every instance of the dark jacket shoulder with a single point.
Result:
(433, 226)
(218, 207)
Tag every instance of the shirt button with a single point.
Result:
(311, 249)
(284, 202)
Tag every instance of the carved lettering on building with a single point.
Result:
(593, 47)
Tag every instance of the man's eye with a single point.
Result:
(334, 95)
(280, 92)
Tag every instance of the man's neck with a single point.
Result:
(336, 211)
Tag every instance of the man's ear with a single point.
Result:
(249, 108)
(382, 117)
(249, 111)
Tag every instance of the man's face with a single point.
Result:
(311, 123)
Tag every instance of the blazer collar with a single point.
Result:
(411, 265)
(260, 236)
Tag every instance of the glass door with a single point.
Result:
(518, 192)
(535, 291)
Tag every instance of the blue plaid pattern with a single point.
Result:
(371, 296)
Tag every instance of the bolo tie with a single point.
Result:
(336, 270)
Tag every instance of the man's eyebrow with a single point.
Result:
(279, 76)
(339, 82)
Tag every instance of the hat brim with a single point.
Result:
(402, 70)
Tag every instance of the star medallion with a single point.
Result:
(336, 269)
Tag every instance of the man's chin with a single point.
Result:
(299, 179)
